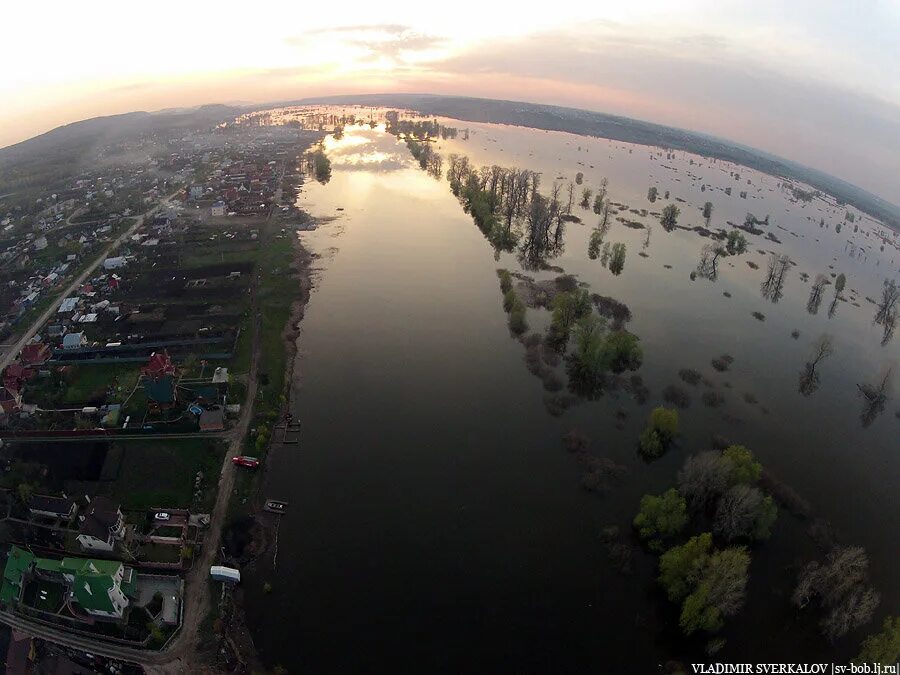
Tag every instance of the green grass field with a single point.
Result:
(161, 473)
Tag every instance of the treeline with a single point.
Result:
(418, 129)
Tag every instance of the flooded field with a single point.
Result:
(437, 523)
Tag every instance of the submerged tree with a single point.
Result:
(659, 433)
(815, 294)
(887, 306)
(652, 194)
(617, 258)
(708, 267)
(669, 217)
(735, 243)
(839, 585)
(707, 212)
(744, 512)
(586, 195)
(703, 478)
(883, 647)
(874, 398)
(661, 518)
(772, 287)
(809, 376)
(839, 284)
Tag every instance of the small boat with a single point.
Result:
(275, 506)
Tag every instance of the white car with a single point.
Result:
(162, 516)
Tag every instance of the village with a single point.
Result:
(129, 333)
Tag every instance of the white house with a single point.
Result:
(74, 341)
(101, 526)
(218, 209)
(114, 263)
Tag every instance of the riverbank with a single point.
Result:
(251, 533)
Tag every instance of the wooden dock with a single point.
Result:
(290, 433)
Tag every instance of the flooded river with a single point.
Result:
(436, 523)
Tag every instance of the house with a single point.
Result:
(10, 400)
(115, 263)
(67, 305)
(101, 526)
(15, 375)
(94, 589)
(212, 419)
(56, 331)
(35, 354)
(40, 243)
(217, 209)
(51, 507)
(74, 341)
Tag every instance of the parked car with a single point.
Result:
(244, 460)
(162, 515)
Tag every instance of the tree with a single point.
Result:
(744, 469)
(840, 283)
(25, 491)
(887, 306)
(661, 518)
(617, 258)
(598, 204)
(670, 217)
(622, 351)
(883, 647)
(736, 243)
(579, 178)
(659, 433)
(703, 478)
(839, 585)
(707, 212)
(809, 376)
(680, 567)
(719, 594)
(652, 194)
(744, 512)
(586, 195)
(815, 294)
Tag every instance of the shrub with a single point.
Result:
(650, 444)
(661, 517)
(665, 422)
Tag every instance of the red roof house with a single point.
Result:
(159, 365)
(35, 354)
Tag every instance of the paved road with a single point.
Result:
(9, 356)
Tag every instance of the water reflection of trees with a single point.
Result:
(708, 267)
(886, 314)
(875, 397)
(815, 294)
(772, 287)
(809, 376)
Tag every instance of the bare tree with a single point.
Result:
(887, 306)
(772, 287)
(708, 267)
(703, 478)
(744, 512)
(874, 398)
(839, 585)
(815, 294)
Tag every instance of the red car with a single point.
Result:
(244, 460)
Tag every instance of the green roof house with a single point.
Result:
(98, 588)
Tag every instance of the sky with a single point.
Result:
(814, 81)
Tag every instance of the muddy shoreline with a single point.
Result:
(253, 537)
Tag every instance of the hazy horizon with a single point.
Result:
(816, 83)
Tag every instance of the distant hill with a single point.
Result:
(52, 156)
(587, 123)
(64, 145)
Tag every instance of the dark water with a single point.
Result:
(435, 523)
